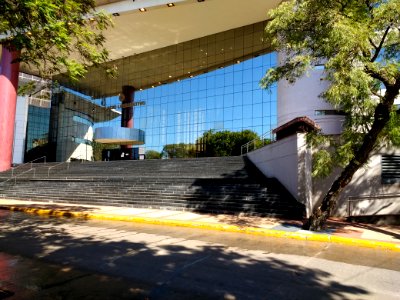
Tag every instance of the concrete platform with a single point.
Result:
(338, 231)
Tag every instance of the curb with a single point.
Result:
(305, 236)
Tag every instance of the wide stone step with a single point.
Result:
(214, 185)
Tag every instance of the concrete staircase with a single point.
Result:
(229, 185)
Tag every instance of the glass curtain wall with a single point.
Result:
(229, 98)
(37, 132)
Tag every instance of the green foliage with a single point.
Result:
(179, 150)
(226, 143)
(358, 41)
(393, 128)
(55, 35)
(98, 149)
(27, 88)
(151, 154)
(211, 144)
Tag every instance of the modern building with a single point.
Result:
(185, 69)
(191, 79)
(32, 119)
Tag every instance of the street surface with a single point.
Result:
(59, 258)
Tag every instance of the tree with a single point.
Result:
(180, 150)
(55, 36)
(98, 149)
(48, 37)
(359, 43)
(152, 154)
(226, 143)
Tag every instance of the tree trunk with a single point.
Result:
(320, 214)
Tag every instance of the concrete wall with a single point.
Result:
(366, 184)
(21, 119)
(290, 161)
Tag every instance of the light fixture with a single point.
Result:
(115, 14)
(200, 0)
(170, 76)
(142, 9)
(170, 4)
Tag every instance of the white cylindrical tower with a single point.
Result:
(303, 99)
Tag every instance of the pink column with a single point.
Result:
(127, 112)
(8, 101)
(127, 106)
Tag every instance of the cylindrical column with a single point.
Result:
(127, 115)
(9, 70)
(127, 106)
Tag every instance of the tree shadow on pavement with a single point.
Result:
(358, 228)
(165, 267)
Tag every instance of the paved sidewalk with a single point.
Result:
(338, 231)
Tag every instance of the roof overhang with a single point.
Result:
(160, 26)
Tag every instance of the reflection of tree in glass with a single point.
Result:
(152, 154)
(228, 143)
(215, 143)
(180, 150)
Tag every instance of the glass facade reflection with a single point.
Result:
(228, 98)
(37, 132)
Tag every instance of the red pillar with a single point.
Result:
(127, 106)
(127, 112)
(8, 101)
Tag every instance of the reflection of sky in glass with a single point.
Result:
(38, 125)
(229, 98)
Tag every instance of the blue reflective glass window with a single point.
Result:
(228, 114)
(257, 96)
(228, 100)
(237, 112)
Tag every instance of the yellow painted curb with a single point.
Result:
(306, 236)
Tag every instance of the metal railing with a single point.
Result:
(57, 165)
(16, 176)
(259, 142)
(354, 199)
(27, 163)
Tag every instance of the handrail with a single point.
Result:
(258, 142)
(61, 163)
(29, 162)
(374, 197)
(16, 176)
(378, 197)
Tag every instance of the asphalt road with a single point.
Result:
(53, 258)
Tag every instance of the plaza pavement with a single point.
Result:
(338, 231)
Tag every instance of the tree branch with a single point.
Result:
(379, 48)
(373, 44)
(378, 76)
